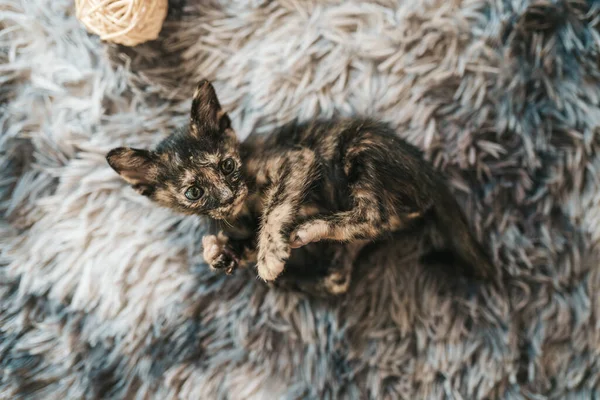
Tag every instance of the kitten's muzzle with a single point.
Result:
(226, 196)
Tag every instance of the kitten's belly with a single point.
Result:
(309, 210)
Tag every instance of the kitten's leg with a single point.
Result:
(369, 218)
(221, 253)
(338, 280)
(295, 173)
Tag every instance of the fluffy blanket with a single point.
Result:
(104, 295)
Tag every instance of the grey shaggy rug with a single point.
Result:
(104, 295)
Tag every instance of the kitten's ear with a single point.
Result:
(137, 167)
(207, 115)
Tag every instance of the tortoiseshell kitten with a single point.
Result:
(345, 182)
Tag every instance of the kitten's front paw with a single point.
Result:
(212, 248)
(217, 255)
(225, 262)
(271, 264)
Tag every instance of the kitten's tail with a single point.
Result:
(453, 224)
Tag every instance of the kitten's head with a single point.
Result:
(196, 170)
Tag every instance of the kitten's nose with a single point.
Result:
(226, 195)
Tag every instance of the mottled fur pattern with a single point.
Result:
(345, 181)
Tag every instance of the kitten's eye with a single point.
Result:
(227, 166)
(194, 193)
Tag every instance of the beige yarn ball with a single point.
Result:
(128, 22)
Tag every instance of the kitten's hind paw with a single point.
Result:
(298, 239)
(309, 232)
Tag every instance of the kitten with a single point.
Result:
(346, 182)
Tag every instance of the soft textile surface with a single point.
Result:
(104, 294)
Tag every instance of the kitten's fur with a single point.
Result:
(341, 181)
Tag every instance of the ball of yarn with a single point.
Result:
(128, 22)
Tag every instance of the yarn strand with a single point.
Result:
(127, 22)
